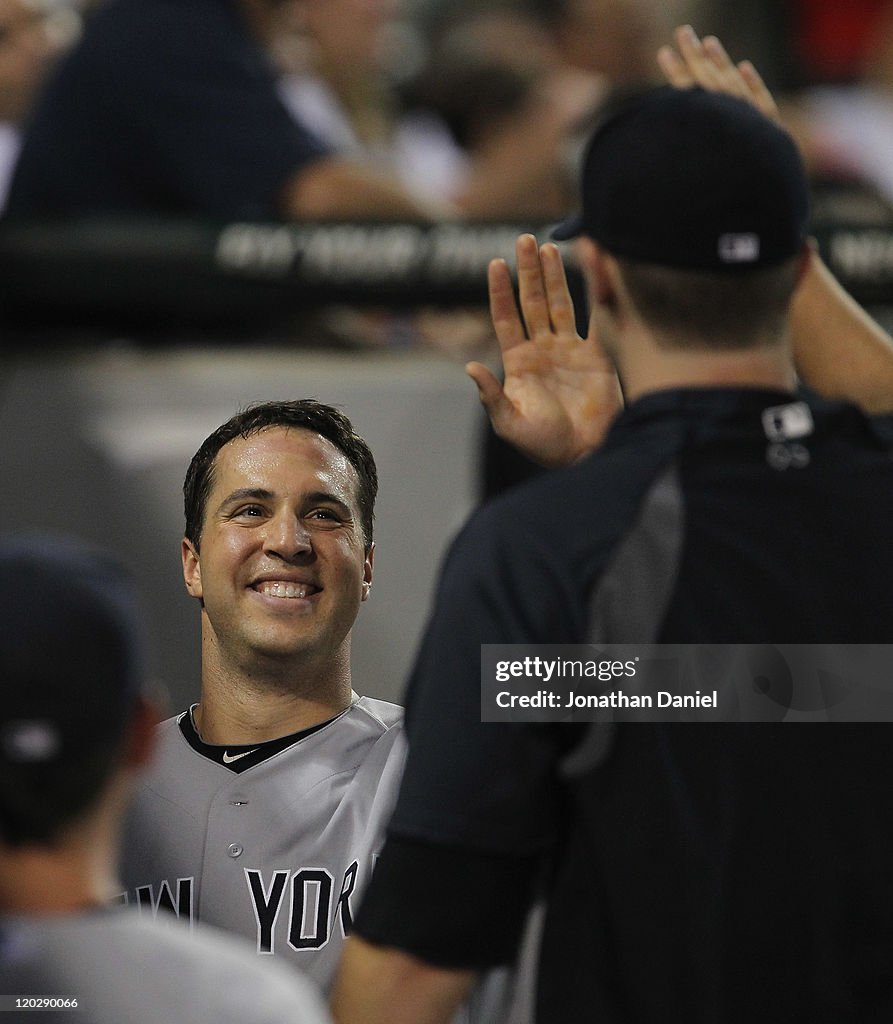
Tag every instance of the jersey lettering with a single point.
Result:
(343, 908)
(311, 916)
(266, 905)
(311, 889)
(180, 908)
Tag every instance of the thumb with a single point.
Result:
(490, 390)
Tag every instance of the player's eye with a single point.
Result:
(248, 512)
(324, 516)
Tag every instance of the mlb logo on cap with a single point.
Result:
(692, 179)
(739, 248)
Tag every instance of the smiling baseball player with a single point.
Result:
(266, 805)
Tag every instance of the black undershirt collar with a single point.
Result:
(239, 757)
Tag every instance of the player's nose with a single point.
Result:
(287, 536)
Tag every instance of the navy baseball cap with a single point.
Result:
(692, 179)
(71, 649)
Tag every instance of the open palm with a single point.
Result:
(559, 391)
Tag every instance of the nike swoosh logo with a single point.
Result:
(227, 759)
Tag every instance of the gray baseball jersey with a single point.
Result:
(117, 966)
(279, 852)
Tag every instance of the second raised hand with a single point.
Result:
(706, 63)
(560, 391)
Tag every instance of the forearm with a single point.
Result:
(339, 188)
(839, 350)
(381, 985)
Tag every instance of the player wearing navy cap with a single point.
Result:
(699, 872)
(75, 733)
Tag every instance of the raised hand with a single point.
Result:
(706, 63)
(839, 349)
(560, 391)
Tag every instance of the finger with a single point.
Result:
(699, 64)
(558, 296)
(503, 309)
(674, 68)
(729, 78)
(490, 392)
(758, 94)
(531, 287)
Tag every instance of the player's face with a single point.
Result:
(282, 570)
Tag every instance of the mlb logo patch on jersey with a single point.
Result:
(787, 422)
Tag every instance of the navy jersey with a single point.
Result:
(707, 516)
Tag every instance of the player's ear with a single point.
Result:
(367, 570)
(192, 568)
(602, 270)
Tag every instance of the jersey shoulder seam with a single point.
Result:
(370, 713)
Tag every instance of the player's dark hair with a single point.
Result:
(306, 414)
(711, 309)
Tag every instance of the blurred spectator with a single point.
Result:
(480, 120)
(339, 61)
(473, 115)
(512, 106)
(176, 106)
(613, 38)
(170, 106)
(27, 44)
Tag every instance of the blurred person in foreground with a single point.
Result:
(703, 872)
(75, 735)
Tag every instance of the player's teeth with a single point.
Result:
(283, 589)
